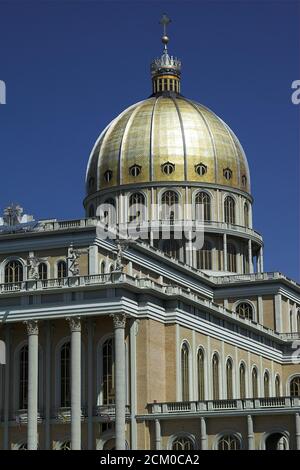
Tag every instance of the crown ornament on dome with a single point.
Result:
(166, 65)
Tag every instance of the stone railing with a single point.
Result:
(66, 224)
(235, 278)
(107, 412)
(290, 336)
(221, 405)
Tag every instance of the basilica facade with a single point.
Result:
(150, 323)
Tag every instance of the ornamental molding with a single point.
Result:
(74, 323)
(32, 327)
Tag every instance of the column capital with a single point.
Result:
(32, 327)
(74, 323)
(119, 320)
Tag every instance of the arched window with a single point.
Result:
(61, 269)
(231, 258)
(254, 383)
(201, 375)
(13, 271)
(183, 443)
(137, 207)
(171, 247)
(295, 387)
(65, 375)
(229, 210)
(23, 378)
(246, 214)
(169, 201)
(291, 320)
(215, 372)
(43, 271)
(298, 321)
(204, 256)
(111, 268)
(245, 310)
(277, 386)
(229, 379)
(203, 206)
(107, 212)
(242, 381)
(102, 267)
(91, 211)
(229, 442)
(108, 367)
(185, 372)
(266, 385)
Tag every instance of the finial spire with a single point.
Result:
(165, 20)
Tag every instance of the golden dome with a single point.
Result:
(196, 145)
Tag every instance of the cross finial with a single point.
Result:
(165, 20)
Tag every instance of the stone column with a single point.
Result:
(48, 382)
(251, 443)
(203, 434)
(33, 346)
(119, 321)
(75, 326)
(224, 252)
(251, 270)
(261, 259)
(6, 388)
(297, 418)
(90, 331)
(157, 435)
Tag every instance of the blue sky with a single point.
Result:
(70, 67)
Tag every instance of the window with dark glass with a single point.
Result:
(203, 206)
(43, 271)
(13, 271)
(23, 378)
(108, 367)
(61, 269)
(65, 376)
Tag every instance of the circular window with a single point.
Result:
(135, 170)
(227, 173)
(108, 176)
(168, 168)
(244, 180)
(201, 169)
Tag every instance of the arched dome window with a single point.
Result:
(244, 181)
(135, 170)
(227, 173)
(242, 374)
(246, 214)
(277, 386)
(203, 206)
(295, 387)
(108, 176)
(43, 271)
(201, 169)
(169, 201)
(168, 168)
(229, 210)
(182, 443)
(204, 256)
(108, 214)
(185, 389)
(231, 258)
(266, 385)
(215, 373)
(137, 210)
(13, 271)
(245, 310)
(201, 375)
(229, 379)
(254, 383)
(229, 442)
